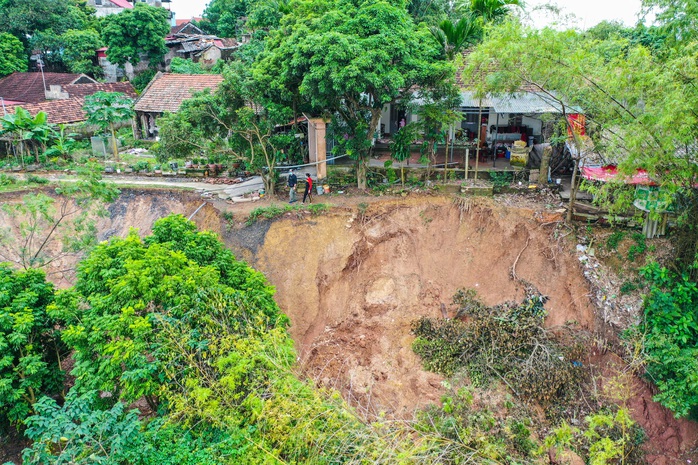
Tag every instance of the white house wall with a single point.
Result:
(385, 119)
(534, 123)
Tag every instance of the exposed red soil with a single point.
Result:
(352, 284)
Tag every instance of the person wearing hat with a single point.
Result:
(292, 181)
(308, 188)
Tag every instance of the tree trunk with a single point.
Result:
(362, 161)
(402, 174)
(361, 173)
(573, 192)
(544, 165)
(113, 141)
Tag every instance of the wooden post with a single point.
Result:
(479, 137)
(467, 163)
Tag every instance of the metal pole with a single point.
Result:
(41, 67)
(479, 137)
(496, 134)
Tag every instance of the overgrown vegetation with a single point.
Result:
(275, 211)
(670, 328)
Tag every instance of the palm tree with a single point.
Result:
(455, 37)
(491, 11)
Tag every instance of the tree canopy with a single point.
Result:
(136, 33)
(12, 56)
(348, 60)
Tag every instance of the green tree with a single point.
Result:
(135, 34)
(12, 56)
(429, 11)
(29, 343)
(45, 228)
(222, 16)
(106, 110)
(79, 51)
(490, 11)
(267, 14)
(24, 18)
(184, 66)
(677, 18)
(350, 60)
(117, 323)
(400, 147)
(224, 124)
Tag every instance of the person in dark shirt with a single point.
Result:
(292, 181)
(308, 188)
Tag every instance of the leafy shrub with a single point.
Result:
(507, 341)
(627, 287)
(29, 343)
(489, 433)
(613, 241)
(671, 338)
(141, 166)
(610, 436)
(80, 433)
(7, 180)
(638, 248)
(390, 172)
(501, 178)
(34, 179)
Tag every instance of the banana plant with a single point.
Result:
(30, 132)
(63, 143)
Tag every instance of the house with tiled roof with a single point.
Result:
(496, 120)
(37, 87)
(186, 26)
(66, 107)
(165, 93)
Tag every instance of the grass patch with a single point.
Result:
(10, 183)
(275, 211)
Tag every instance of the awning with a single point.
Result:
(610, 173)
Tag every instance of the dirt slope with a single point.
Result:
(353, 279)
(352, 285)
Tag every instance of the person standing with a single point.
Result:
(308, 188)
(292, 181)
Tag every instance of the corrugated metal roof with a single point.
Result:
(520, 102)
(469, 99)
(525, 103)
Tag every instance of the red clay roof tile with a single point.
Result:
(167, 91)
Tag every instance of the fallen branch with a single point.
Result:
(513, 267)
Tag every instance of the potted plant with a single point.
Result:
(157, 169)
